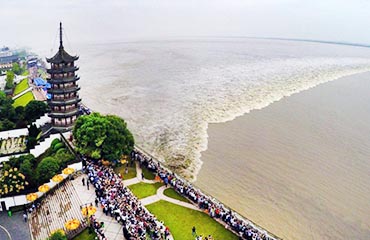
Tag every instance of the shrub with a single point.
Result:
(61, 150)
(12, 181)
(63, 157)
(54, 142)
(46, 169)
(58, 235)
(58, 146)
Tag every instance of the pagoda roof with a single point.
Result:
(62, 57)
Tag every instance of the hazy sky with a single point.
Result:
(27, 22)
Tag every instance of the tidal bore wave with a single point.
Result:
(170, 91)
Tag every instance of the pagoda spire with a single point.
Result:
(60, 36)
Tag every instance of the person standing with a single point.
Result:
(25, 217)
(83, 181)
(87, 184)
(194, 231)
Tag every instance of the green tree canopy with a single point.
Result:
(102, 137)
(9, 79)
(34, 110)
(6, 108)
(16, 69)
(27, 169)
(6, 125)
(46, 169)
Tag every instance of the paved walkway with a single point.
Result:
(112, 229)
(22, 93)
(160, 192)
(39, 94)
(161, 195)
(13, 226)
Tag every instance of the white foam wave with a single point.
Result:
(173, 92)
(239, 109)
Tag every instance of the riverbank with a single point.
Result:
(298, 167)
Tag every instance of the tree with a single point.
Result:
(35, 109)
(16, 69)
(46, 169)
(19, 113)
(27, 169)
(33, 132)
(103, 137)
(6, 108)
(6, 125)
(9, 80)
(19, 117)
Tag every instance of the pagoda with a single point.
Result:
(64, 99)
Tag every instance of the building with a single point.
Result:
(7, 58)
(64, 99)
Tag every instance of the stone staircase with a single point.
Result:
(56, 209)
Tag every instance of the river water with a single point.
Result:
(170, 91)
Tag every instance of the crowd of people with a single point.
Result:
(97, 227)
(117, 201)
(214, 208)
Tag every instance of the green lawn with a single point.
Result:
(23, 100)
(148, 174)
(84, 235)
(170, 192)
(23, 85)
(131, 171)
(25, 73)
(143, 190)
(180, 221)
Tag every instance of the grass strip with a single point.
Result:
(180, 221)
(23, 100)
(170, 192)
(143, 190)
(23, 85)
(84, 235)
(130, 174)
(148, 174)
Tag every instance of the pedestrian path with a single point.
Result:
(112, 229)
(13, 227)
(22, 93)
(138, 177)
(160, 192)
